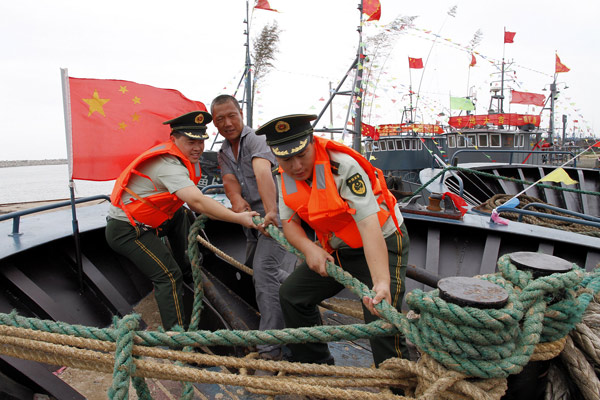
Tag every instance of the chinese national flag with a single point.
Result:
(527, 98)
(369, 130)
(597, 144)
(264, 5)
(509, 37)
(114, 121)
(473, 60)
(560, 67)
(416, 63)
(372, 8)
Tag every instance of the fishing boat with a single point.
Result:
(38, 261)
(59, 273)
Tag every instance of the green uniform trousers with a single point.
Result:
(304, 289)
(163, 266)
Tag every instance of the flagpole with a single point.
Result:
(249, 99)
(410, 92)
(356, 142)
(69, 133)
(502, 75)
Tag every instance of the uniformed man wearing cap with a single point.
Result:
(339, 194)
(147, 203)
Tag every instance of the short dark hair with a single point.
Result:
(177, 134)
(222, 99)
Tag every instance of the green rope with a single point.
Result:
(484, 343)
(124, 367)
(195, 257)
(195, 260)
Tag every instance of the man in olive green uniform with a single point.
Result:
(359, 226)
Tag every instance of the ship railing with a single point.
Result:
(16, 215)
(437, 160)
(547, 155)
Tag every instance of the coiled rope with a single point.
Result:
(458, 343)
(499, 199)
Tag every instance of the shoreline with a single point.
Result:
(14, 207)
(27, 163)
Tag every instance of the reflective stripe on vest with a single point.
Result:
(322, 207)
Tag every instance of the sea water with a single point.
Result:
(45, 182)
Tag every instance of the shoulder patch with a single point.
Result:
(335, 167)
(275, 170)
(357, 185)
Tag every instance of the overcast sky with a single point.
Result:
(197, 48)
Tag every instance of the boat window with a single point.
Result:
(451, 140)
(495, 140)
(420, 143)
(407, 144)
(471, 140)
(460, 141)
(390, 144)
(383, 145)
(399, 145)
(509, 141)
(521, 142)
(368, 147)
(375, 146)
(483, 140)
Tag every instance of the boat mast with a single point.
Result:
(553, 94)
(248, 74)
(501, 97)
(358, 93)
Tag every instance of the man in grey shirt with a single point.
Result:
(246, 162)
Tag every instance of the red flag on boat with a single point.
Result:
(264, 5)
(460, 203)
(597, 144)
(372, 9)
(509, 37)
(473, 60)
(527, 98)
(113, 121)
(416, 63)
(369, 130)
(560, 67)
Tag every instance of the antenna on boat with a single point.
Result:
(246, 77)
(356, 94)
(248, 69)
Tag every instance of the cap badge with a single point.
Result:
(199, 119)
(282, 126)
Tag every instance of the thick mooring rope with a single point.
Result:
(499, 199)
(458, 343)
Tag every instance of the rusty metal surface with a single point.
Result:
(473, 292)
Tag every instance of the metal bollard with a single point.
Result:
(530, 383)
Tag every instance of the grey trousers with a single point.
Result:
(272, 264)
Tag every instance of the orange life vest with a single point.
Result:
(321, 205)
(154, 209)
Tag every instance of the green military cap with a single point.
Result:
(288, 135)
(192, 124)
